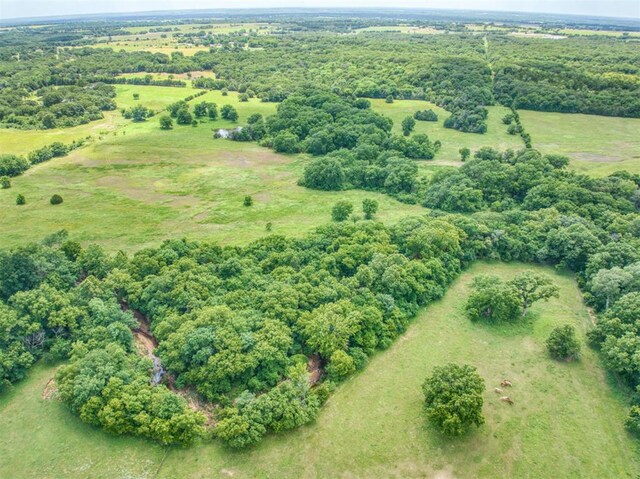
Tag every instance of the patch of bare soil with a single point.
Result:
(50, 390)
(595, 158)
(251, 159)
(314, 367)
(446, 473)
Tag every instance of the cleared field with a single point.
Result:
(401, 29)
(141, 185)
(452, 140)
(566, 421)
(598, 145)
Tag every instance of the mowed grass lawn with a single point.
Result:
(566, 421)
(452, 140)
(597, 145)
(142, 185)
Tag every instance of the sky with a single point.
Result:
(40, 8)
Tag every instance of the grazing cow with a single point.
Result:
(507, 399)
(506, 383)
(498, 391)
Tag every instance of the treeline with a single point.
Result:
(56, 106)
(14, 165)
(574, 75)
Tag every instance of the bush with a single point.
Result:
(56, 199)
(341, 211)
(166, 123)
(425, 115)
(12, 165)
(20, 200)
(5, 182)
(369, 208)
(286, 142)
(453, 397)
(389, 99)
(248, 200)
(228, 112)
(562, 343)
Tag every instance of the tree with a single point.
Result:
(369, 208)
(183, 117)
(408, 124)
(243, 97)
(136, 96)
(492, 300)
(5, 182)
(212, 111)
(532, 287)
(20, 200)
(228, 112)
(286, 142)
(609, 283)
(248, 200)
(341, 210)
(426, 115)
(324, 174)
(562, 343)
(200, 109)
(453, 397)
(56, 199)
(465, 153)
(166, 123)
(389, 99)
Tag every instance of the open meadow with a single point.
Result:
(138, 184)
(565, 423)
(597, 145)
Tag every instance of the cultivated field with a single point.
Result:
(566, 421)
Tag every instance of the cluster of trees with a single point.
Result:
(59, 300)
(354, 146)
(236, 324)
(14, 165)
(138, 113)
(493, 300)
(56, 106)
(426, 115)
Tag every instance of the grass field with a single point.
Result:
(566, 421)
(598, 145)
(452, 140)
(141, 185)
(21, 142)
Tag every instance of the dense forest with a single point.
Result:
(455, 71)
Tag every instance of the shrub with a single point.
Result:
(228, 112)
(286, 142)
(166, 123)
(562, 343)
(425, 115)
(56, 199)
(20, 200)
(341, 211)
(389, 99)
(5, 182)
(248, 200)
(369, 208)
(453, 397)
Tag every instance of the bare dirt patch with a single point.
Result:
(50, 390)
(595, 158)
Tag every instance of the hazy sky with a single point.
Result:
(38, 8)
